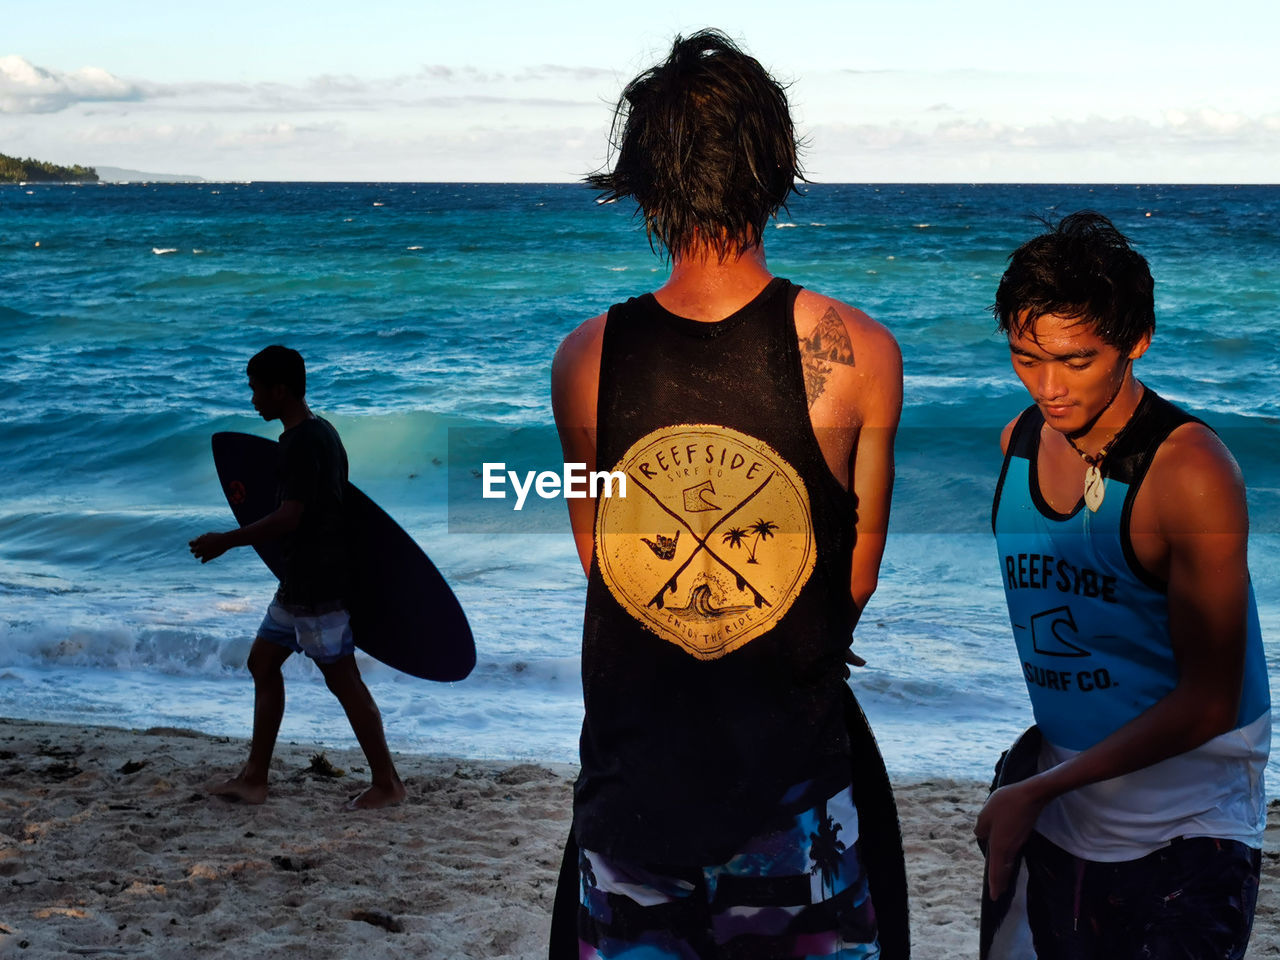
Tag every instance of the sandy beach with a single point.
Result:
(110, 847)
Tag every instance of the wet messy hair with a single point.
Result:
(1082, 268)
(705, 145)
(277, 365)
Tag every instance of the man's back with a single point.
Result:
(723, 588)
(717, 608)
(754, 424)
(852, 369)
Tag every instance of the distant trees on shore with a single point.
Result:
(13, 170)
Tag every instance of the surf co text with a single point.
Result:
(574, 482)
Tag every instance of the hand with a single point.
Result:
(851, 659)
(209, 546)
(1005, 823)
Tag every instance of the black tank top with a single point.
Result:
(718, 599)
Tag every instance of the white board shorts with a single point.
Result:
(324, 637)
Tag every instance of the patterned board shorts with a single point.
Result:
(324, 636)
(797, 890)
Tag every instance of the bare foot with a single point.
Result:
(376, 797)
(239, 790)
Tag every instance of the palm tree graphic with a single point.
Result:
(763, 529)
(825, 851)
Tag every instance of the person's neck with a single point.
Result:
(1115, 418)
(295, 414)
(702, 287)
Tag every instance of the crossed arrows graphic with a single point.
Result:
(670, 585)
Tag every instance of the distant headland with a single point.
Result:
(121, 175)
(13, 170)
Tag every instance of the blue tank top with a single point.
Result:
(1092, 632)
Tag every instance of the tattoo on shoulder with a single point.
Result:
(827, 344)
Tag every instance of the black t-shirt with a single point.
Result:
(313, 471)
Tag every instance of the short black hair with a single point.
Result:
(279, 365)
(1083, 267)
(705, 144)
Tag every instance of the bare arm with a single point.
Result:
(575, 384)
(1197, 538)
(853, 381)
(872, 472)
(283, 520)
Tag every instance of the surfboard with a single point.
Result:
(403, 613)
(879, 845)
(1004, 931)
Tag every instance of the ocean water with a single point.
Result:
(428, 314)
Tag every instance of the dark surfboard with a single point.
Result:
(1004, 932)
(402, 610)
(879, 845)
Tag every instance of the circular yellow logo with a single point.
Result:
(713, 540)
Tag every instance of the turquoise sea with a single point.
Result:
(428, 314)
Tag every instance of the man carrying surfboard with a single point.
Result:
(308, 613)
(1122, 527)
(730, 795)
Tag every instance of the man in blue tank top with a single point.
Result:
(718, 812)
(1121, 526)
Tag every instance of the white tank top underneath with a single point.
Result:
(1206, 792)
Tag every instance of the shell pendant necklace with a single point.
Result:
(1095, 488)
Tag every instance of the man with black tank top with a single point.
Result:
(1121, 527)
(726, 771)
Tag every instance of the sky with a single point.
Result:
(478, 90)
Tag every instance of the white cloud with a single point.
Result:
(275, 135)
(442, 88)
(1200, 145)
(1185, 129)
(550, 121)
(27, 88)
